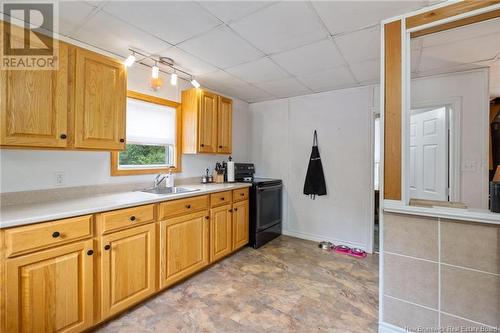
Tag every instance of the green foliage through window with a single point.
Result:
(144, 155)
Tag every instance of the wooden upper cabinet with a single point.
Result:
(100, 101)
(50, 291)
(34, 106)
(206, 122)
(224, 125)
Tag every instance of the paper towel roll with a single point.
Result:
(230, 171)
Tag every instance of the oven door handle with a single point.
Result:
(267, 188)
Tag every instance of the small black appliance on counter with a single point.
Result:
(266, 202)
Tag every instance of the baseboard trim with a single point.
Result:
(319, 238)
(388, 328)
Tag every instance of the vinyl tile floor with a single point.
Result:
(288, 285)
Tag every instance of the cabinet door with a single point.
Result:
(183, 246)
(34, 107)
(50, 291)
(240, 224)
(220, 232)
(224, 128)
(100, 101)
(208, 123)
(127, 268)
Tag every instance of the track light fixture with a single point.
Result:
(156, 82)
(155, 71)
(130, 60)
(195, 83)
(173, 79)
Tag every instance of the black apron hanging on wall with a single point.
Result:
(315, 179)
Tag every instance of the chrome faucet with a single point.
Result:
(158, 179)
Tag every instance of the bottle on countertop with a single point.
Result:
(230, 170)
(170, 178)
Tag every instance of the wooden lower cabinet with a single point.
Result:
(184, 246)
(50, 291)
(240, 224)
(220, 232)
(128, 274)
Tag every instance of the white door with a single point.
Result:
(429, 154)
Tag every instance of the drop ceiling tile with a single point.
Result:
(333, 78)
(73, 14)
(258, 71)
(225, 83)
(460, 53)
(172, 21)
(310, 58)
(187, 62)
(281, 27)
(221, 47)
(285, 88)
(462, 33)
(360, 45)
(111, 34)
(367, 71)
(344, 16)
(229, 11)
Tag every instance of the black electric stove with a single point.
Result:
(266, 204)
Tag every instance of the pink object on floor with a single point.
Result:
(357, 253)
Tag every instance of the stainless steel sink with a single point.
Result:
(169, 190)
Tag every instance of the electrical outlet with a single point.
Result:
(60, 178)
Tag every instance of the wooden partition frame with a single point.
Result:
(394, 33)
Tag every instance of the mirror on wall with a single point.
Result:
(451, 150)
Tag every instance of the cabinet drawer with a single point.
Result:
(240, 194)
(39, 236)
(183, 206)
(220, 198)
(126, 218)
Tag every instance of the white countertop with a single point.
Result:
(22, 214)
(469, 215)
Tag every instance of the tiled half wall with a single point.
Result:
(441, 273)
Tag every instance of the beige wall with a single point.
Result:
(440, 273)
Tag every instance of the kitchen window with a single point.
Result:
(153, 137)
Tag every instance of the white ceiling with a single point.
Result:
(254, 50)
(463, 48)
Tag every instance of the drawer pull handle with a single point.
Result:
(222, 198)
(207, 217)
(242, 194)
(230, 210)
(56, 234)
(63, 136)
(202, 145)
(107, 247)
(236, 209)
(188, 206)
(90, 252)
(220, 147)
(122, 140)
(132, 218)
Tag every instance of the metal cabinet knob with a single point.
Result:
(63, 136)
(188, 206)
(132, 218)
(56, 234)
(107, 247)
(90, 252)
(122, 140)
